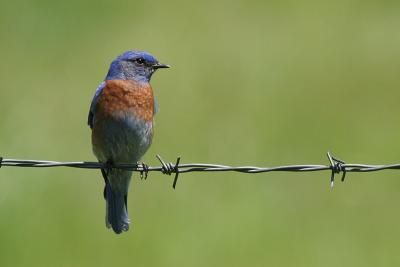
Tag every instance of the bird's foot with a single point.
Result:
(105, 172)
(108, 165)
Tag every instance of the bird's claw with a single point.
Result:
(105, 171)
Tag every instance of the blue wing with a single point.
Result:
(93, 104)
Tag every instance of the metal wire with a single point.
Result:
(336, 166)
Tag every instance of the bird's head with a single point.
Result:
(134, 65)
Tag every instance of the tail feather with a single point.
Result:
(117, 213)
(116, 195)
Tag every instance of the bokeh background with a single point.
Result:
(260, 83)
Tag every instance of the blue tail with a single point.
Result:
(115, 193)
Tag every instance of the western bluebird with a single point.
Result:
(121, 119)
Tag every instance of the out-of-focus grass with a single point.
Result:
(252, 83)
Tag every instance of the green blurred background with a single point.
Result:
(253, 83)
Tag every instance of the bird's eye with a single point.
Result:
(140, 61)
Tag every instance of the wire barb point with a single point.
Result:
(168, 168)
(176, 168)
(337, 166)
(144, 171)
(165, 168)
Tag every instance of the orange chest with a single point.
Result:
(121, 97)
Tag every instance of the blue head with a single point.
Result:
(134, 65)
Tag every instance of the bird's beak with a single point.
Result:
(161, 66)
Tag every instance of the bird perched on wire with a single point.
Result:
(121, 119)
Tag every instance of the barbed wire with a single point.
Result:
(336, 166)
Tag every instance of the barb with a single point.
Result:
(168, 169)
(336, 166)
(176, 172)
(144, 172)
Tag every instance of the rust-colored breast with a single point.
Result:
(126, 96)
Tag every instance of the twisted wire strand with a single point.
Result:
(336, 166)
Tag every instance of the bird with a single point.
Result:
(121, 120)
